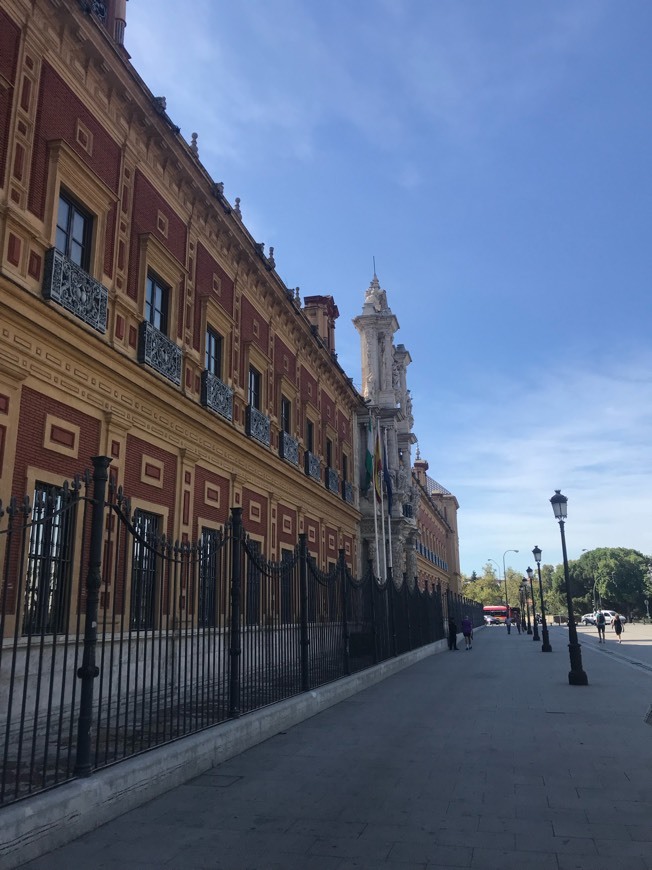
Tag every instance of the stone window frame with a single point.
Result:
(214, 317)
(154, 259)
(67, 171)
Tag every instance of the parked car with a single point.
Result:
(491, 620)
(588, 619)
(609, 616)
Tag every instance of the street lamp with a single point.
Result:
(536, 637)
(526, 607)
(505, 578)
(545, 646)
(577, 675)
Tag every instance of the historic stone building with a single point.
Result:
(422, 527)
(140, 320)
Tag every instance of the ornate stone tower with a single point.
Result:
(384, 387)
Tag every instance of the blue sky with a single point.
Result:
(494, 157)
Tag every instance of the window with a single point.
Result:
(213, 352)
(310, 436)
(143, 574)
(254, 388)
(208, 577)
(49, 565)
(74, 230)
(329, 453)
(156, 303)
(345, 467)
(286, 415)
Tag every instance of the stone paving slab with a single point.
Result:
(489, 762)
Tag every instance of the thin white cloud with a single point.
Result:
(586, 432)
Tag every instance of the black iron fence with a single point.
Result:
(115, 639)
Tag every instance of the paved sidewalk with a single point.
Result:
(486, 760)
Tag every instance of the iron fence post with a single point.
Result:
(390, 590)
(236, 592)
(89, 670)
(303, 611)
(345, 619)
(372, 604)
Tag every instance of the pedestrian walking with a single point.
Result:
(452, 633)
(600, 622)
(518, 624)
(467, 631)
(508, 623)
(618, 627)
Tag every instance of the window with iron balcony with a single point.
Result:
(66, 278)
(155, 349)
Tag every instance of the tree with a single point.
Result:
(484, 588)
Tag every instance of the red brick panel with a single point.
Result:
(308, 387)
(136, 488)
(207, 270)
(147, 203)
(56, 118)
(254, 326)
(287, 527)
(34, 408)
(254, 515)
(211, 498)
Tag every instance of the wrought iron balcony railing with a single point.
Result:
(332, 480)
(216, 395)
(288, 448)
(257, 425)
(74, 289)
(312, 465)
(407, 510)
(156, 350)
(347, 492)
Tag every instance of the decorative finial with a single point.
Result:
(297, 296)
(418, 452)
(270, 258)
(237, 207)
(160, 104)
(193, 145)
(218, 188)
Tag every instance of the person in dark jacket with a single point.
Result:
(452, 633)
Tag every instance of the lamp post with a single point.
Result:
(536, 637)
(505, 578)
(577, 675)
(526, 609)
(545, 646)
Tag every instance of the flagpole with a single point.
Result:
(389, 519)
(382, 507)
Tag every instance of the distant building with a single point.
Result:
(423, 523)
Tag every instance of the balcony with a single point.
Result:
(156, 350)
(408, 513)
(312, 465)
(216, 395)
(347, 492)
(257, 425)
(288, 448)
(332, 480)
(74, 289)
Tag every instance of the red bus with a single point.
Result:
(499, 611)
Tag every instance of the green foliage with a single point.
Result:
(484, 588)
(618, 578)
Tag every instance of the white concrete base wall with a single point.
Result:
(37, 825)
